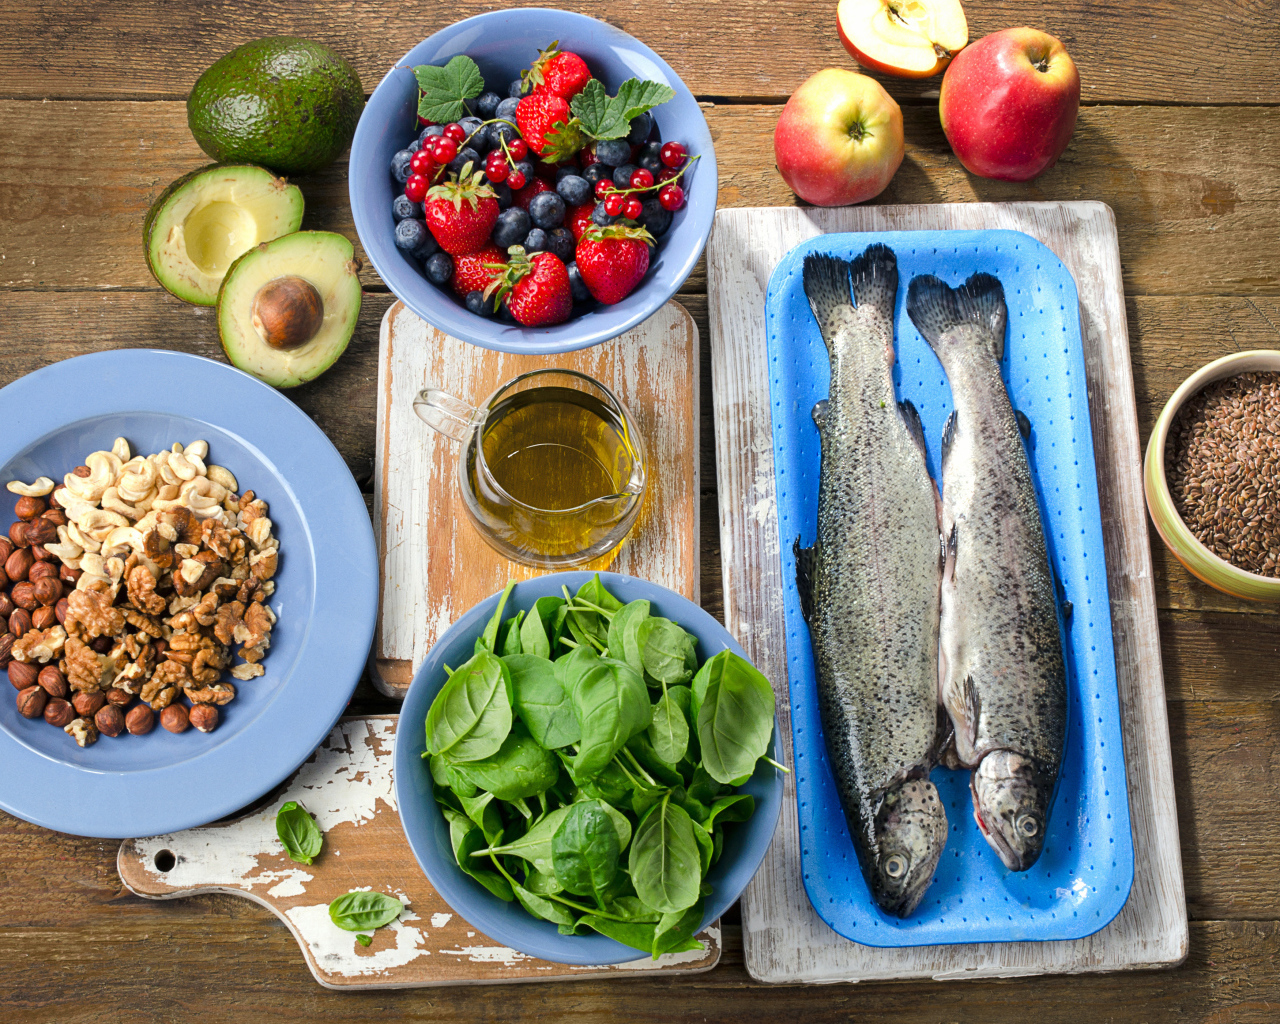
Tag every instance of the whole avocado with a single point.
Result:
(285, 103)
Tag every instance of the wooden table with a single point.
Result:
(1180, 135)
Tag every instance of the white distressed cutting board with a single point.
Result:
(784, 939)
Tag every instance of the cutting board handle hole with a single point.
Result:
(165, 860)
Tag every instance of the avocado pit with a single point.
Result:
(287, 312)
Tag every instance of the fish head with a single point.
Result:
(910, 832)
(1011, 796)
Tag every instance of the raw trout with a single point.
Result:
(869, 586)
(1003, 680)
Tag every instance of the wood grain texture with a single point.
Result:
(754, 48)
(434, 564)
(785, 940)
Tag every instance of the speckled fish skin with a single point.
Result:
(1003, 680)
(870, 586)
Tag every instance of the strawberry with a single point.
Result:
(536, 118)
(561, 72)
(461, 212)
(470, 273)
(578, 219)
(536, 185)
(536, 290)
(612, 260)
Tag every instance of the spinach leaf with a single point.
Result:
(595, 591)
(471, 714)
(665, 861)
(472, 841)
(569, 668)
(705, 849)
(694, 807)
(535, 845)
(736, 807)
(541, 702)
(537, 631)
(612, 705)
(623, 634)
(704, 787)
(364, 911)
(299, 833)
(674, 933)
(584, 850)
(541, 885)
(490, 635)
(509, 636)
(547, 910)
(519, 768)
(669, 730)
(610, 784)
(735, 719)
(444, 775)
(663, 772)
(664, 650)
(484, 812)
(621, 824)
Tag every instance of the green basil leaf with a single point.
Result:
(735, 807)
(571, 667)
(622, 637)
(490, 635)
(520, 768)
(547, 910)
(476, 866)
(664, 648)
(735, 720)
(612, 705)
(365, 940)
(621, 824)
(540, 700)
(598, 594)
(694, 807)
(471, 715)
(669, 730)
(299, 833)
(665, 861)
(444, 90)
(364, 911)
(584, 850)
(535, 845)
(718, 840)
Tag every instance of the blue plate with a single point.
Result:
(745, 844)
(1083, 877)
(326, 591)
(503, 43)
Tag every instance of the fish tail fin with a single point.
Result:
(914, 427)
(936, 308)
(875, 279)
(826, 283)
(806, 567)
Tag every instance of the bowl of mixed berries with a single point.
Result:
(533, 181)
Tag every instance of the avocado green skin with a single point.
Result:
(286, 103)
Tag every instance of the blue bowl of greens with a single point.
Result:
(601, 771)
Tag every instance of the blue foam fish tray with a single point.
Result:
(1083, 877)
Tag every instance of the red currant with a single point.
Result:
(614, 204)
(422, 162)
(671, 197)
(455, 131)
(415, 189)
(516, 180)
(603, 187)
(672, 154)
(445, 149)
(633, 209)
(642, 178)
(424, 123)
(518, 149)
(667, 174)
(496, 171)
(588, 157)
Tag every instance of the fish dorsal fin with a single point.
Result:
(914, 427)
(971, 709)
(806, 569)
(948, 435)
(936, 308)
(826, 283)
(1024, 424)
(875, 279)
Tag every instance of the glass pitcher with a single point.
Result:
(551, 468)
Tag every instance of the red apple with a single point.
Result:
(908, 38)
(1009, 104)
(839, 139)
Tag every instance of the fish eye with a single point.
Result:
(1028, 825)
(896, 866)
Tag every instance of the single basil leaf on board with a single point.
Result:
(541, 701)
(665, 861)
(622, 636)
(480, 868)
(674, 933)
(636, 96)
(364, 911)
(490, 635)
(520, 768)
(444, 89)
(669, 730)
(612, 705)
(535, 845)
(365, 940)
(736, 807)
(538, 630)
(471, 714)
(584, 850)
(509, 636)
(546, 910)
(299, 833)
(663, 651)
(735, 719)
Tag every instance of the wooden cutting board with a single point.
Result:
(347, 785)
(433, 563)
(784, 939)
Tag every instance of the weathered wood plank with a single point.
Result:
(1193, 189)
(1220, 655)
(755, 49)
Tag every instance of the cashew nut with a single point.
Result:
(42, 486)
(220, 475)
(112, 502)
(203, 496)
(66, 549)
(137, 480)
(166, 494)
(73, 506)
(115, 569)
(161, 462)
(122, 540)
(183, 466)
(200, 449)
(98, 522)
(104, 467)
(120, 449)
(75, 536)
(93, 565)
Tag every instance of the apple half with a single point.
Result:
(907, 38)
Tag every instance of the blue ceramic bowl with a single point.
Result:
(428, 832)
(503, 43)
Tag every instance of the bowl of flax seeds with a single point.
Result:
(1212, 474)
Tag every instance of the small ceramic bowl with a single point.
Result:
(1198, 559)
(428, 832)
(503, 43)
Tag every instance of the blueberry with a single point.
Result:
(466, 155)
(595, 173)
(431, 131)
(507, 109)
(525, 167)
(503, 191)
(487, 103)
(653, 218)
(414, 146)
(653, 149)
(622, 175)
(427, 248)
(560, 241)
(613, 152)
(481, 141)
(439, 268)
(402, 208)
(505, 314)
(640, 128)
(573, 189)
(652, 164)
(546, 209)
(564, 170)
(477, 305)
(500, 132)
(513, 224)
(411, 233)
(599, 216)
(400, 166)
(577, 288)
(470, 124)
(516, 89)
(536, 241)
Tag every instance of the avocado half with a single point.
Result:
(287, 308)
(204, 221)
(286, 103)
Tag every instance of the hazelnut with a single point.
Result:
(174, 718)
(140, 720)
(83, 472)
(42, 554)
(6, 549)
(41, 531)
(18, 534)
(24, 595)
(60, 611)
(18, 564)
(6, 649)
(59, 712)
(120, 698)
(19, 622)
(28, 508)
(204, 717)
(6, 605)
(46, 591)
(87, 704)
(43, 617)
(53, 681)
(101, 644)
(109, 720)
(41, 570)
(56, 516)
(31, 702)
(69, 575)
(22, 674)
(4, 579)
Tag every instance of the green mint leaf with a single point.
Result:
(364, 940)
(445, 90)
(603, 117)
(636, 97)
(298, 832)
(591, 107)
(364, 911)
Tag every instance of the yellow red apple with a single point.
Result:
(1009, 104)
(839, 139)
(908, 38)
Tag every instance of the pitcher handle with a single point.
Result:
(448, 415)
